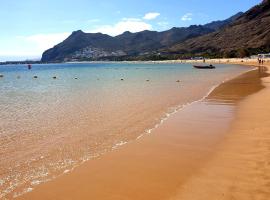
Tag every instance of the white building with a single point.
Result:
(264, 56)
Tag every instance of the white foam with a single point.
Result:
(2, 182)
(121, 143)
(35, 182)
(23, 192)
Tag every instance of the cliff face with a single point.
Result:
(250, 32)
(92, 46)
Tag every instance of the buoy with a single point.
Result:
(35, 77)
(122, 79)
(54, 77)
(76, 78)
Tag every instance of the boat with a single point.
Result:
(204, 66)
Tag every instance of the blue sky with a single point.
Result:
(28, 27)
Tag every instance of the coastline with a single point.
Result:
(127, 160)
(241, 61)
(240, 169)
(21, 186)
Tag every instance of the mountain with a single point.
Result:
(248, 34)
(79, 40)
(97, 46)
(216, 25)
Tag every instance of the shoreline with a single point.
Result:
(84, 169)
(240, 169)
(242, 61)
(182, 106)
(167, 113)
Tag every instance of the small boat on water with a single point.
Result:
(204, 66)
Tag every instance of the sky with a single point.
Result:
(29, 27)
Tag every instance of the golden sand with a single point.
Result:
(185, 158)
(240, 169)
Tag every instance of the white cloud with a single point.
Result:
(151, 15)
(45, 41)
(126, 24)
(32, 45)
(187, 17)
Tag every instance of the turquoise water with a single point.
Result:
(48, 126)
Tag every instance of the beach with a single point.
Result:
(240, 169)
(119, 101)
(215, 148)
(49, 126)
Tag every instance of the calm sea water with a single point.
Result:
(48, 126)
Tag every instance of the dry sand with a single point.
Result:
(192, 155)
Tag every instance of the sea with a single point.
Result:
(55, 117)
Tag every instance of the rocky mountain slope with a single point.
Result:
(97, 46)
(248, 34)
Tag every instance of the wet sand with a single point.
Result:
(195, 154)
(240, 168)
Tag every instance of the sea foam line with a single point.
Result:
(181, 107)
